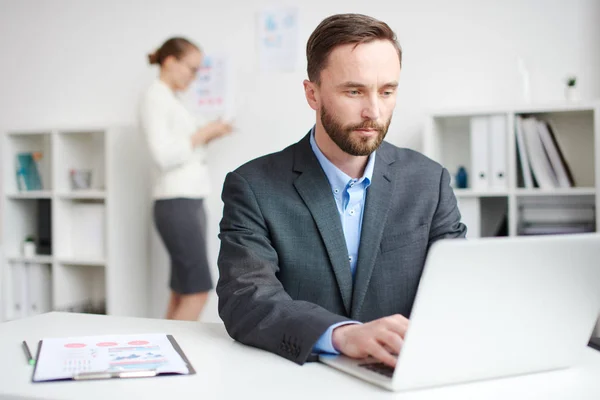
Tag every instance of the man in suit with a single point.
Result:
(323, 243)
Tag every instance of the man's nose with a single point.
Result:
(371, 109)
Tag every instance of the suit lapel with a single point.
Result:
(315, 191)
(377, 204)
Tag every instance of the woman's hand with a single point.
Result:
(211, 131)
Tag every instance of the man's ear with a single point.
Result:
(311, 91)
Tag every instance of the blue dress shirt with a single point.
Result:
(349, 194)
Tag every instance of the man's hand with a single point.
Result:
(381, 339)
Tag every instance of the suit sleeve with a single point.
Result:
(253, 303)
(446, 219)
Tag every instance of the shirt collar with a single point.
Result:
(337, 178)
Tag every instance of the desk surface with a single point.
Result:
(228, 370)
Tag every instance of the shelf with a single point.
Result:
(29, 133)
(510, 109)
(526, 192)
(480, 193)
(82, 262)
(555, 108)
(47, 194)
(557, 192)
(32, 194)
(84, 195)
(38, 259)
(75, 222)
(81, 131)
(42, 259)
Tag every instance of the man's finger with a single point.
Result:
(396, 323)
(392, 340)
(378, 352)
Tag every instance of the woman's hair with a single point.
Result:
(175, 46)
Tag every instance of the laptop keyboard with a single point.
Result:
(380, 368)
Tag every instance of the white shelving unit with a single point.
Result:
(99, 252)
(447, 140)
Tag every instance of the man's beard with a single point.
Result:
(343, 136)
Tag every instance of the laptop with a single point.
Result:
(494, 307)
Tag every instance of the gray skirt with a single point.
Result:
(181, 223)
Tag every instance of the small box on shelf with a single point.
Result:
(84, 162)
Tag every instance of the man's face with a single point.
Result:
(357, 95)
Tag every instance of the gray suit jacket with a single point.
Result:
(283, 263)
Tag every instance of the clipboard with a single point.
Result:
(109, 357)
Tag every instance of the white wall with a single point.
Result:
(68, 62)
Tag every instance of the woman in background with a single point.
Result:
(177, 143)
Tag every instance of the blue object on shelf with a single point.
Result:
(461, 178)
(28, 177)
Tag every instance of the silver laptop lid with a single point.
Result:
(495, 307)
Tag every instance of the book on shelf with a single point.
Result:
(523, 154)
(27, 172)
(555, 155)
(541, 160)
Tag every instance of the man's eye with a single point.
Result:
(353, 92)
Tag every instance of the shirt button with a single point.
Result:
(336, 190)
(350, 258)
(351, 212)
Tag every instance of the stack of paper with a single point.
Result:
(541, 216)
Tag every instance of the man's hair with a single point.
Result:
(341, 29)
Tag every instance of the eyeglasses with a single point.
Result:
(193, 70)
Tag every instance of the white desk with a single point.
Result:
(229, 370)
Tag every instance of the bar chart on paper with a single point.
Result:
(65, 358)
